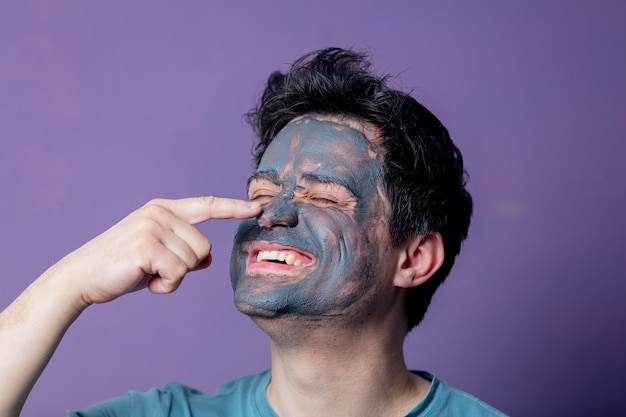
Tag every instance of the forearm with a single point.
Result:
(30, 330)
(154, 247)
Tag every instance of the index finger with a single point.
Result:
(196, 210)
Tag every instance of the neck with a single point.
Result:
(342, 373)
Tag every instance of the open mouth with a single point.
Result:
(274, 255)
(284, 257)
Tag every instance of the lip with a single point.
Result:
(301, 259)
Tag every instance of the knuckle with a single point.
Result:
(147, 229)
(209, 200)
(192, 260)
(155, 202)
(154, 210)
(205, 249)
(179, 271)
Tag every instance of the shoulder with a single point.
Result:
(178, 400)
(445, 400)
(237, 397)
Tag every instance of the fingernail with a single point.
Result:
(254, 205)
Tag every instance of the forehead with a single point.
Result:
(311, 145)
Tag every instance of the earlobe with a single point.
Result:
(421, 257)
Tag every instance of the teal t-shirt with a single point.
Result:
(245, 397)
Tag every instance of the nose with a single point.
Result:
(280, 211)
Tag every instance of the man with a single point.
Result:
(358, 210)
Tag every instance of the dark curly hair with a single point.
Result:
(423, 172)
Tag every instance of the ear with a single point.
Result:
(420, 258)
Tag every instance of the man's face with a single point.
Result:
(322, 241)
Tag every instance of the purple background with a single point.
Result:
(104, 105)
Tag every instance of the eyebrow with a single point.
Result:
(327, 179)
(270, 175)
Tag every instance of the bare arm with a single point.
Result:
(153, 247)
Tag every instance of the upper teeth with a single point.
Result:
(275, 255)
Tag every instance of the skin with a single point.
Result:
(320, 185)
(336, 321)
(328, 210)
(153, 247)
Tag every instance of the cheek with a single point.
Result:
(374, 210)
(329, 224)
(371, 231)
(244, 231)
(339, 237)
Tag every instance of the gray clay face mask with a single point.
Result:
(319, 244)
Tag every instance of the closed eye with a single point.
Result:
(324, 201)
(262, 197)
(261, 189)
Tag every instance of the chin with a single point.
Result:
(252, 311)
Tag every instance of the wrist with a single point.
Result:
(60, 286)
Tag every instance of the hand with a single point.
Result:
(153, 247)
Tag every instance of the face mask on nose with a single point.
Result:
(280, 211)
